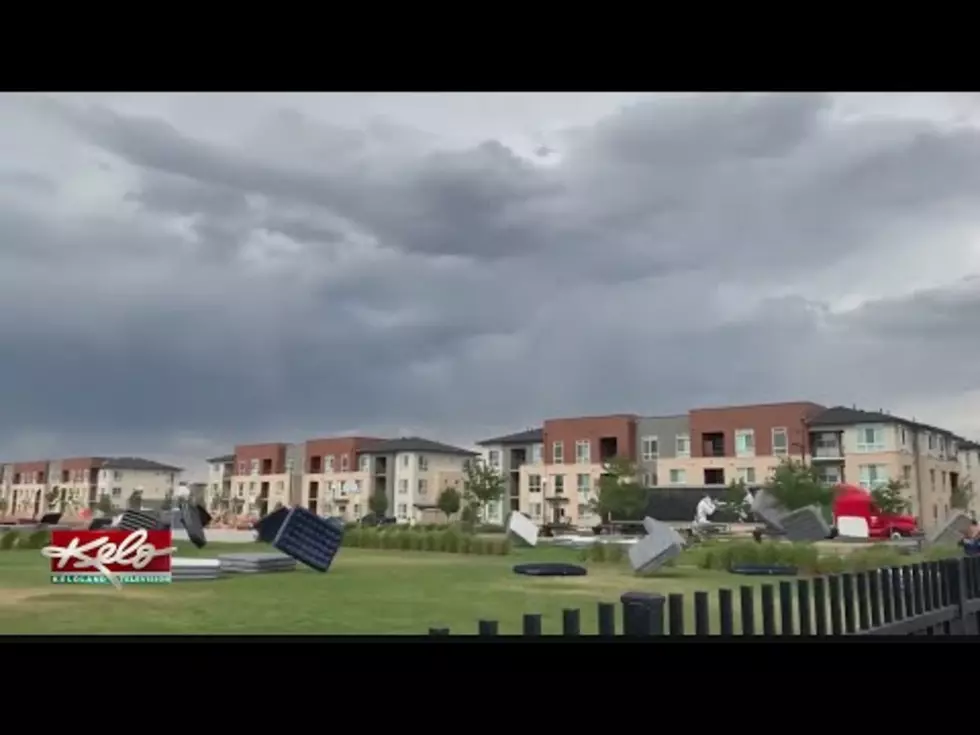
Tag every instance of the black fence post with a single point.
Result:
(908, 591)
(532, 624)
(768, 610)
(887, 595)
(836, 624)
(927, 587)
(803, 604)
(438, 631)
(956, 584)
(702, 618)
(726, 612)
(747, 604)
(571, 622)
(487, 627)
(643, 613)
(607, 618)
(897, 598)
(874, 596)
(847, 582)
(675, 604)
(918, 588)
(820, 605)
(862, 600)
(787, 625)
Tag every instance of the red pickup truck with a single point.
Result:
(852, 500)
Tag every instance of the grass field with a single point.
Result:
(366, 592)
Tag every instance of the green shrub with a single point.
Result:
(415, 540)
(431, 541)
(404, 539)
(451, 540)
(490, 528)
(370, 538)
(467, 544)
(938, 553)
(35, 540)
(724, 556)
(352, 537)
(8, 540)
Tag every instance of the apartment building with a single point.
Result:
(336, 476)
(969, 457)
(869, 448)
(265, 477)
(558, 469)
(218, 495)
(734, 443)
(661, 438)
(30, 489)
(508, 455)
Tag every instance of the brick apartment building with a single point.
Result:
(550, 473)
(29, 489)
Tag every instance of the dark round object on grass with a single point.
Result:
(550, 570)
(757, 535)
(783, 570)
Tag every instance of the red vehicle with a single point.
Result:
(852, 500)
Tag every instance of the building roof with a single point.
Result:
(415, 444)
(223, 459)
(137, 463)
(844, 416)
(968, 444)
(529, 436)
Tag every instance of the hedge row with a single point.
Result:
(24, 540)
(450, 541)
(485, 528)
(723, 555)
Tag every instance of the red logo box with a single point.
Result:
(122, 552)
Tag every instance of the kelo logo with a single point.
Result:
(110, 557)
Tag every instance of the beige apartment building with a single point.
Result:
(869, 448)
(969, 456)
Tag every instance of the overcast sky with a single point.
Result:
(180, 273)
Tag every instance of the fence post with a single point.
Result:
(532, 624)
(438, 631)
(487, 627)
(571, 622)
(607, 618)
(768, 610)
(675, 606)
(956, 584)
(643, 613)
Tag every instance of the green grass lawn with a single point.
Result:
(365, 592)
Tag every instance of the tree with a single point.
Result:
(449, 501)
(795, 485)
(619, 495)
(378, 503)
(961, 497)
(135, 500)
(890, 498)
(104, 505)
(482, 484)
(51, 498)
(168, 501)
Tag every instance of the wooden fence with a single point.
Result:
(928, 598)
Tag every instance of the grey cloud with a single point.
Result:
(450, 289)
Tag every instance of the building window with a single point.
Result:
(678, 477)
(872, 476)
(903, 437)
(582, 452)
(255, 467)
(536, 510)
(907, 473)
(870, 439)
(116, 492)
(558, 453)
(780, 442)
(405, 460)
(744, 443)
(829, 475)
(649, 450)
(403, 486)
(402, 510)
(364, 462)
(584, 483)
(559, 481)
(423, 463)
(344, 462)
(328, 463)
(534, 483)
(582, 510)
(931, 440)
(932, 480)
(683, 445)
(746, 474)
(536, 451)
(493, 459)
(423, 487)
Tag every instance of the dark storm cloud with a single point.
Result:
(324, 279)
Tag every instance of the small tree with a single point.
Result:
(619, 495)
(449, 502)
(482, 484)
(168, 501)
(378, 503)
(51, 498)
(104, 505)
(135, 500)
(795, 485)
(961, 497)
(890, 498)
